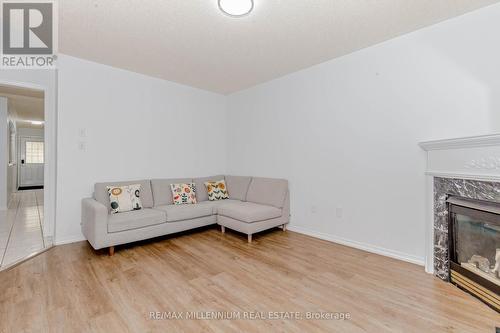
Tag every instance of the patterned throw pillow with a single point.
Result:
(217, 190)
(183, 193)
(125, 198)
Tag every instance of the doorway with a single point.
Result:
(23, 230)
(31, 162)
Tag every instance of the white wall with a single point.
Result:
(345, 132)
(4, 152)
(133, 127)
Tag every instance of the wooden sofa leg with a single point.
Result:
(223, 229)
(111, 251)
(249, 238)
(284, 227)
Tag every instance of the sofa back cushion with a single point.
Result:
(267, 191)
(237, 186)
(201, 189)
(101, 192)
(162, 193)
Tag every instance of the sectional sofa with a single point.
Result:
(255, 204)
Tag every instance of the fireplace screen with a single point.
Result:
(477, 247)
(474, 233)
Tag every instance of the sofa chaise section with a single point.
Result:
(265, 205)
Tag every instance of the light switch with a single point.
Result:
(82, 146)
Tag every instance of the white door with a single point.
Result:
(31, 159)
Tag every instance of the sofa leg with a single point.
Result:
(223, 229)
(249, 238)
(111, 251)
(284, 227)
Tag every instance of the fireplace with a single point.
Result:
(463, 208)
(474, 247)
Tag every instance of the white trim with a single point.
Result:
(494, 178)
(362, 246)
(466, 142)
(70, 239)
(429, 226)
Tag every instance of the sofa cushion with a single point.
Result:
(186, 212)
(212, 204)
(201, 190)
(101, 192)
(237, 186)
(267, 191)
(248, 211)
(217, 203)
(135, 219)
(162, 193)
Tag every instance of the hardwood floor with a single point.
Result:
(72, 288)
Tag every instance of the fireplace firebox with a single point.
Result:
(474, 248)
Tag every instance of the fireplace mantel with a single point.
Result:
(471, 158)
(466, 142)
(476, 158)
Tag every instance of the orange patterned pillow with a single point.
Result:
(217, 190)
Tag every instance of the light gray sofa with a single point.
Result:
(255, 204)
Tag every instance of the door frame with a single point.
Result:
(19, 149)
(50, 150)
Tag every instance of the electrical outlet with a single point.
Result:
(82, 132)
(314, 209)
(82, 146)
(339, 212)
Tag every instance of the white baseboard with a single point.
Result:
(69, 240)
(362, 246)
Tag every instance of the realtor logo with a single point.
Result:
(28, 34)
(27, 28)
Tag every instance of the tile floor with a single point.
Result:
(20, 227)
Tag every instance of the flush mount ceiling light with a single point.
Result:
(236, 8)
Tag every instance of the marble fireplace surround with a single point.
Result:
(468, 167)
(473, 189)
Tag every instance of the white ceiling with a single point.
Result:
(24, 104)
(193, 43)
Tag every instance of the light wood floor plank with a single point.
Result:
(72, 288)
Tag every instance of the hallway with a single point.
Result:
(21, 227)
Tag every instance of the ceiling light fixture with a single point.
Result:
(36, 122)
(236, 8)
